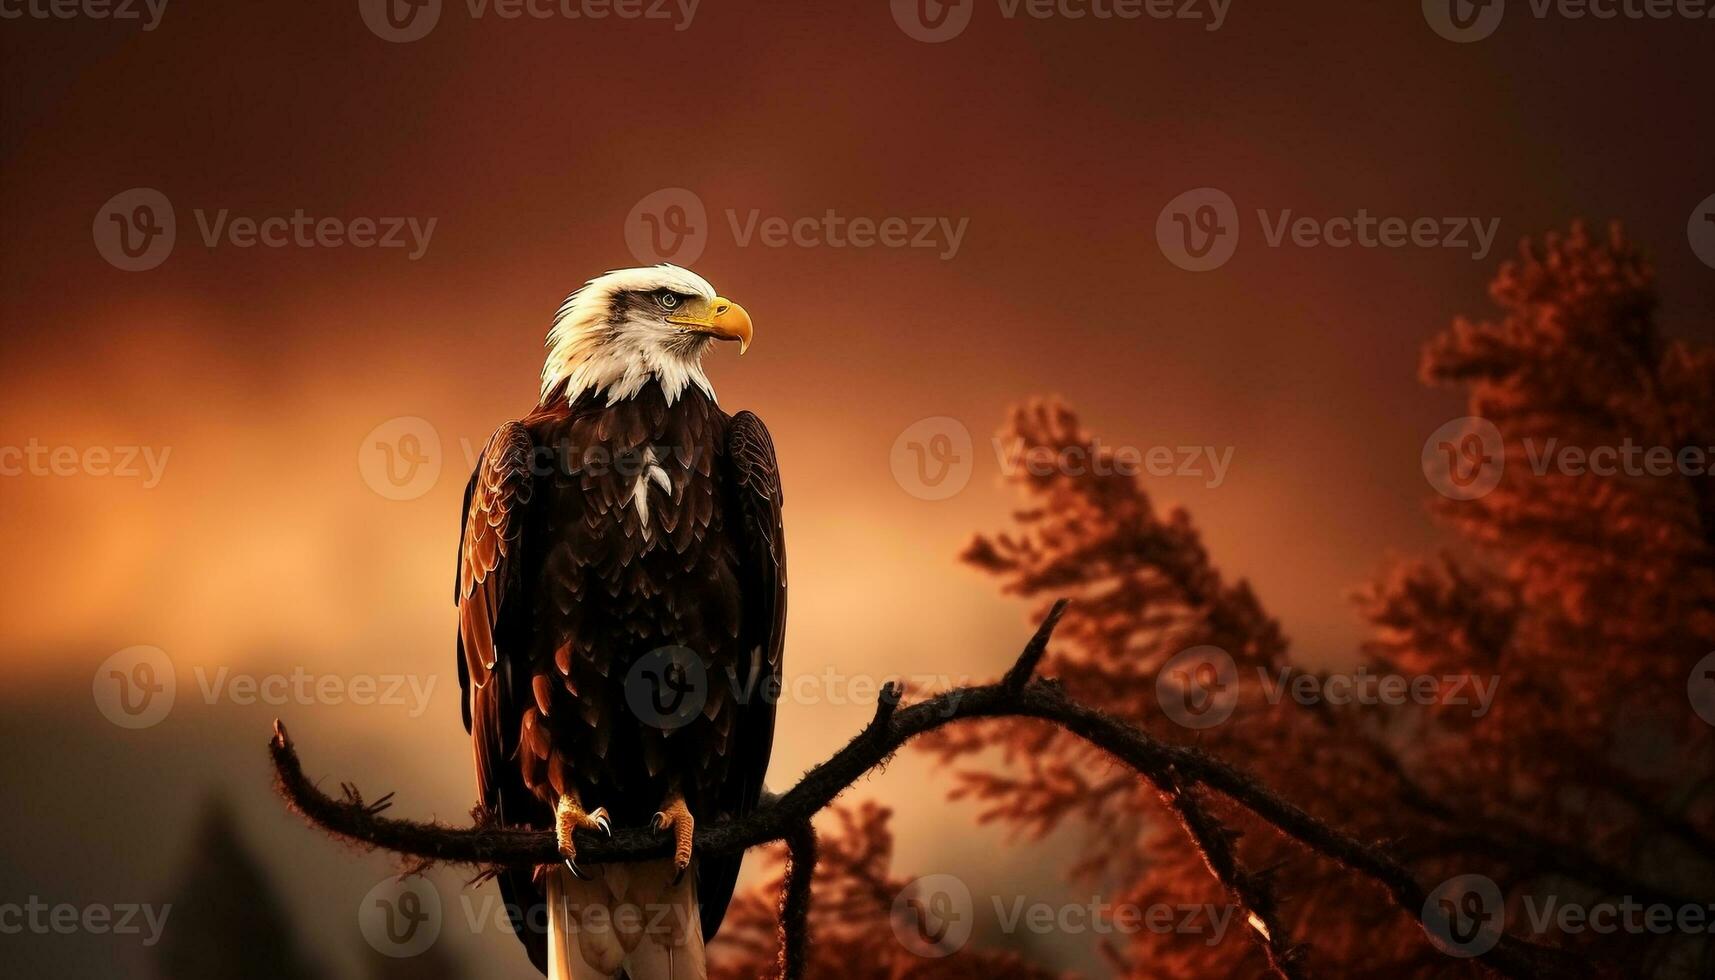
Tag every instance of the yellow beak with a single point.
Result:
(725, 319)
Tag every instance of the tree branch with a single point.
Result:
(1176, 769)
(795, 901)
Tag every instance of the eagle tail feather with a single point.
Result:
(633, 921)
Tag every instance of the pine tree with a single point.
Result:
(227, 919)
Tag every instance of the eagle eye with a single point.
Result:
(667, 300)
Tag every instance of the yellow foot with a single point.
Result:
(675, 816)
(569, 815)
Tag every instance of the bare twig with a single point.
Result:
(1251, 891)
(1025, 668)
(1176, 769)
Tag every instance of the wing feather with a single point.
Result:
(754, 475)
(497, 501)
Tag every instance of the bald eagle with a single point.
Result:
(626, 530)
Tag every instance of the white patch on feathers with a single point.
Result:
(651, 471)
(592, 350)
(634, 918)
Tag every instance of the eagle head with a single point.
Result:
(617, 332)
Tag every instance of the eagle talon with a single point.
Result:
(569, 816)
(676, 816)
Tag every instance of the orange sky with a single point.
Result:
(528, 142)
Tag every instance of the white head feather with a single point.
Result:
(600, 343)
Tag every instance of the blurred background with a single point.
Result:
(273, 536)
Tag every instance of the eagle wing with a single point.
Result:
(754, 475)
(493, 624)
(496, 501)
